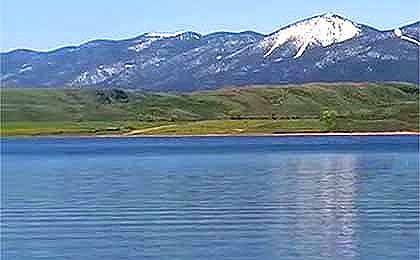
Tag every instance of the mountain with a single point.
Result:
(317, 31)
(326, 47)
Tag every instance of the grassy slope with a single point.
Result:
(256, 109)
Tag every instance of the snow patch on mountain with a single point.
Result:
(321, 30)
(142, 45)
(25, 67)
(146, 41)
(98, 75)
(164, 34)
(400, 35)
(181, 35)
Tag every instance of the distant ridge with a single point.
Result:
(326, 48)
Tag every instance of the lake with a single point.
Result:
(210, 198)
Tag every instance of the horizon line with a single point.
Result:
(76, 45)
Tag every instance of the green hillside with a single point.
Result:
(253, 109)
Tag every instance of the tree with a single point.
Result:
(329, 119)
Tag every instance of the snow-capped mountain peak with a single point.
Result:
(323, 30)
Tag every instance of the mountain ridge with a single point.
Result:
(408, 24)
(326, 47)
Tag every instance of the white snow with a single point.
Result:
(322, 30)
(164, 34)
(301, 50)
(399, 34)
(142, 45)
(25, 67)
(129, 66)
(99, 74)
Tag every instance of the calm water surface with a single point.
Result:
(210, 198)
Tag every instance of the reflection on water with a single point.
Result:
(211, 198)
(320, 202)
(325, 188)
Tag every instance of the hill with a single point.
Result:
(252, 109)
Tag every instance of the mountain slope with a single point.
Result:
(321, 48)
(323, 30)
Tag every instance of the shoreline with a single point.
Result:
(307, 134)
(388, 133)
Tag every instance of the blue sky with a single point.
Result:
(49, 24)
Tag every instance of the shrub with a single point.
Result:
(329, 119)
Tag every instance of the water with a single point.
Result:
(210, 198)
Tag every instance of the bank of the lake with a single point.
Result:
(210, 127)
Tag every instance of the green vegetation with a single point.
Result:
(329, 118)
(253, 109)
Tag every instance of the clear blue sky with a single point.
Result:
(48, 24)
